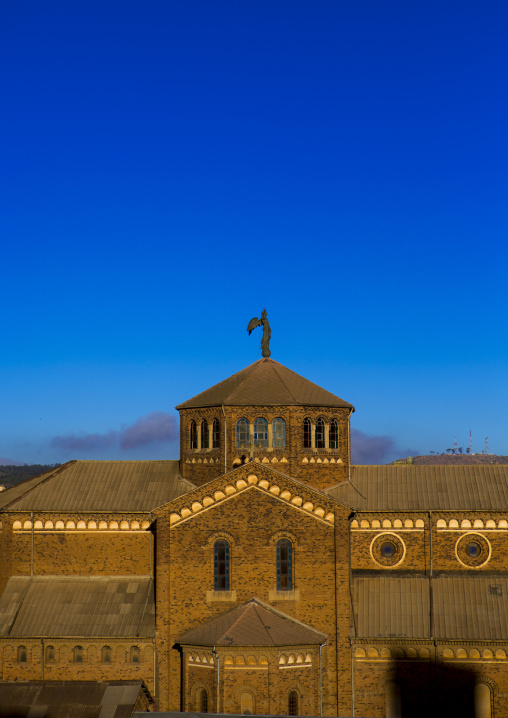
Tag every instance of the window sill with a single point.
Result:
(293, 595)
(220, 596)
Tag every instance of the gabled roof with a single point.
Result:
(467, 608)
(105, 606)
(79, 699)
(253, 624)
(477, 487)
(265, 383)
(99, 486)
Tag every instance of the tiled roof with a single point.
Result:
(476, 487)
(252, 624)
(467, 608)
(79, 606)
(265, 383)
(79, 699)
(99, 486)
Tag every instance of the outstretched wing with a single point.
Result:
(254, 322)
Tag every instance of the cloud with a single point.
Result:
(367, 449)
(86, 442)
(153, 428)
(150, 429)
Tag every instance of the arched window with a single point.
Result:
(279, 433)
(216, 434)
(242, 434)
(77, 654)
(333, 442)
(293, 704)
(307, 434)
(106, 654)
(261, 433)
(247, 703)
(221, 565)
(205, 440)
(50, 654)
(21, 654)
(193, 435)
(393, 701)
(203, 701)
(320, 434)
(284, 565)
(482, 701)
(134, 654)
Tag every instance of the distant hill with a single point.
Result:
(434, 459)
(12, 475)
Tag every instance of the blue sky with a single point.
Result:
(169, 168)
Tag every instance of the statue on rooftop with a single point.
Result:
(267, 332)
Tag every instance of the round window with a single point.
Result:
(472, 550)
(387, 549)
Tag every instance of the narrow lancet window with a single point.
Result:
(284, 565)
(193, 435)
(279, 433)
(205, 440)
(307, 434)
(242, 434)
(261, 433)
(216, 434)
(334, 434)
(293, 704)
(221, 565)
(320, 434)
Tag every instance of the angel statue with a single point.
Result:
(267, 332)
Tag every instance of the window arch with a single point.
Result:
(193, 435)
(134, 654)
(279, 433)
(203, 701)
(205, 437)
(106, 654)
(284, 565)
(482, 701)
(22, 654)
(293, 704)
(247, 704)
(307, 434)
(221, 565)
(50, 654)
(216, 434)
(320, 434)
(333, 435)
(242, 433)
(261, 433)
(77, 654)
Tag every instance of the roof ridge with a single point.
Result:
(281, 614)
(256, 606)
(282, 380)
(247, 371)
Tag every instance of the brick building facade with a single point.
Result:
(263, 573)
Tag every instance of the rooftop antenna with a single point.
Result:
(455, 445)
(486, 444)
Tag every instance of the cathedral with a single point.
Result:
(262, 573)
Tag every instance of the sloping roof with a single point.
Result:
(99, 486)
(265, 383)
(252, 624)
(425, 488)
(108, 606)
(464, 607)
(79, 699)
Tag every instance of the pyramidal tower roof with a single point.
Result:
(265, 383)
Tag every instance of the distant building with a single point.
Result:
(262, 573)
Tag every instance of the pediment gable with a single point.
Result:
(250, 477)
